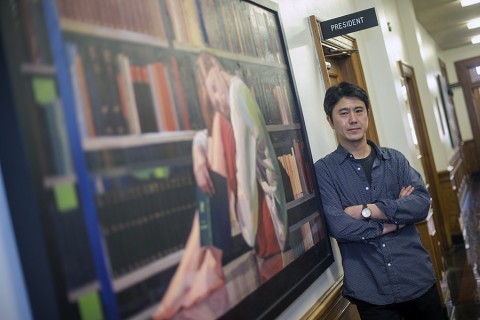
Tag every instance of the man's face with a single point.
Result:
(350, 120)
(218, 91)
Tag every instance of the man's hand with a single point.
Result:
(405, 191)
(390, 227)
(200, 170)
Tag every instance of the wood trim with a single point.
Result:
(317, 36)
(458, 173)
(351, 68)
(429, 236)
(472, 162)
(332, 306)
(449, 203)
(462, 67)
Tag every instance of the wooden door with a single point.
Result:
(469, 77)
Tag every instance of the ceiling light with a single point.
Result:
(468, 2)
(478, 70)
(476, 39)
(472, 24)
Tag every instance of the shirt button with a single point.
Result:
(358, 168)
(383, 245)
(389, 264)
(363, 238)
(366, 188)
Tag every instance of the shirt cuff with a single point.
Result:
(389, 208)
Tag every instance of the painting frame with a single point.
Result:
(123, 162)
(278, 293)
(269, 300)
(446, 99)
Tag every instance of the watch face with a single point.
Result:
(366, 212)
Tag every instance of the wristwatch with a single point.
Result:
(366, 212)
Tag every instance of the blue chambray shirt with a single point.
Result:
(377, 269)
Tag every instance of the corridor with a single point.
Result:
(463, 261)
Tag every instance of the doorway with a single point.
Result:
(424, 149)
(468, 74)
(339, 61)
(436, 238)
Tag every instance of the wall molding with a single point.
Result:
(332, 306)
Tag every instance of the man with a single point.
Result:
(372, 199)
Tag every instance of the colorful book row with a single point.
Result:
(299, 174)
(239, 28)
(144, 16)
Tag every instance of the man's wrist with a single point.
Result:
(366, 212)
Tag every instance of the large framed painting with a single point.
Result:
(192, 194)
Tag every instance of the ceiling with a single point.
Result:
(446, 21)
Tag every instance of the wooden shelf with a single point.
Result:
(306, 219)
(123, 170)
(37, 69)
(73, 26)
(298, 201)
(283, 127)
(181, 46)
(128, 141)
(147, 271)
(74, 295)
(51, 181)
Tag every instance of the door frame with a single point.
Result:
(462, 67)
(352, 71)
(425, 147)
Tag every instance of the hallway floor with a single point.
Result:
(463, 261)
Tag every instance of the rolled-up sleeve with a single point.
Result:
(412, 208)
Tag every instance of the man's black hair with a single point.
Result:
(343, 89)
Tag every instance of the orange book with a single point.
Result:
(164, 89)
(300, 165)
(156, 20)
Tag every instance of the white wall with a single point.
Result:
(422, 55)
(382, 77)
(311, 91)
(380, 50)
(13, 298)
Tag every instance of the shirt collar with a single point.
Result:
(342, 154)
